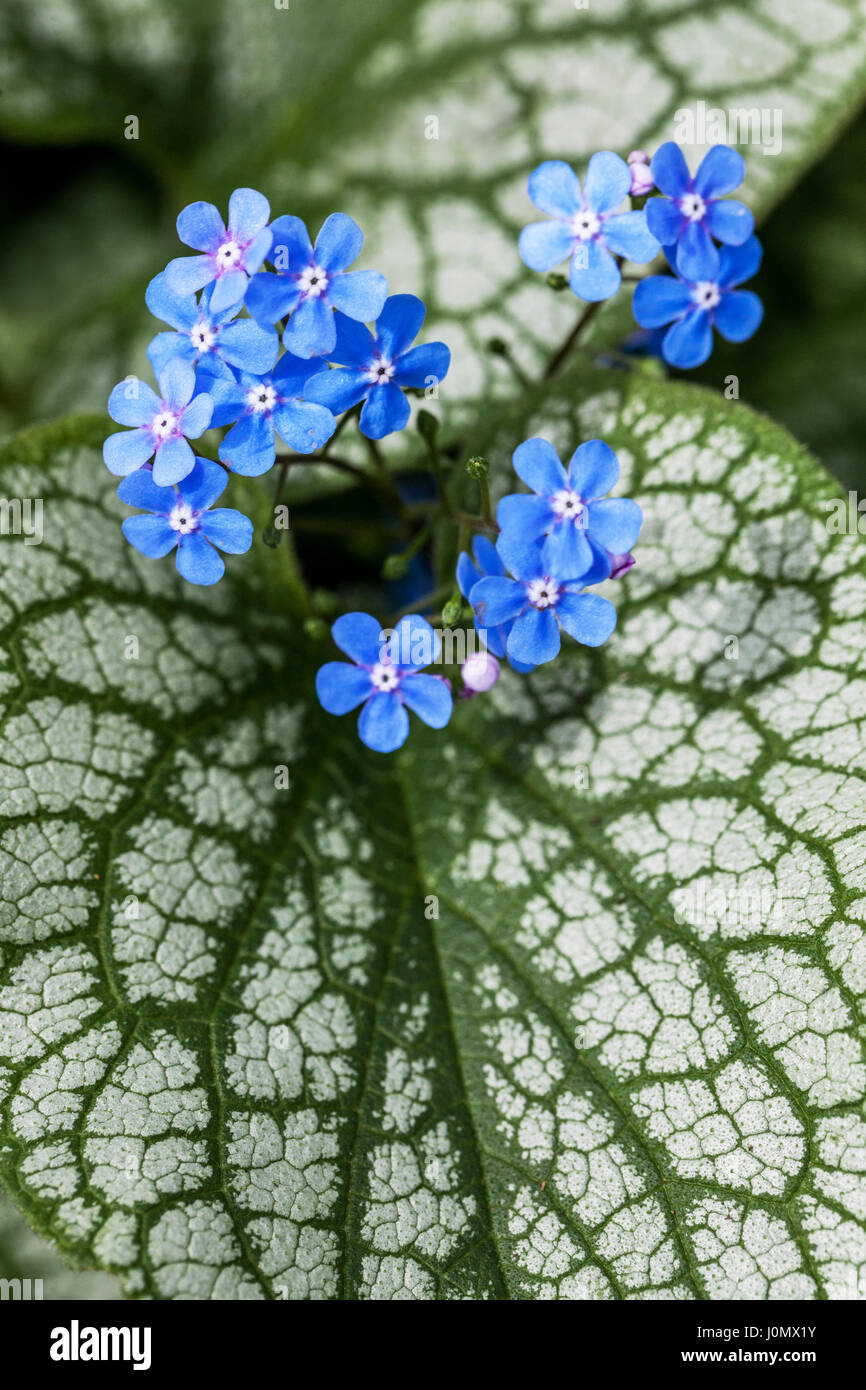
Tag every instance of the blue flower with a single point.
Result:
(183, 518)
(373, 369)
(203, 335)
(696, 305)
(231, 254)
(261, 405)
(588, 229)
(312, 281)
(581, 526)
(537, 602)
(690, 214)
(485, 561)
(385, 679)
(162, 424)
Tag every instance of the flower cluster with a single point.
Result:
(688, 216)
(217, 369)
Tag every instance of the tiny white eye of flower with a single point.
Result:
(568, 505)
(706, 294)
(380, 371)
(229, 253)
(542, 593)
(203, 337)
(692, 206)
(585, 225)
(163, 424)
(183, 519)
(313, 281)
(261, 399)
(384, 677)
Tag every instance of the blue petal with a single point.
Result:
(341, 687)
(229, 289)
(593, 469)
(555, 188)
(487, 556)
(537, 463)
(413, 644)
(497, 600)
(543, 245)
(311, 331)
(292, 373)
(361, 294)
(738, 315)
(599, 278)
(614, 523)
(304, 425)
(383, 723)
(360, 636)
(428, 697)
(180, 310)
(588, 618)
(173, 461)
(566, 552)
(248, 213)
(177, 383)
(249, 346)
(659, 299)
(133, 402)
(696, 256)
(197, 561)
(339, 390)
(356, 346)
(338, 244)
(196, 417)
(664, 220)
(386, 409)
(249, 448)
(186, 274)
(205, 482)
(534, 638)
(670, 171)
(730, 221)
(139, 490)
(720, 171)
(524, 517)
(165, 346)
(254, 255)
(467, 574)
(399, 324)
(151, 535)
(229, 399)
(628, 235)
(228, 529)
(127, 450)
(424, 365)
(739, 263)
(200, 226)
(689, 342)
(521, 557)
(270, 297)
(607, 182)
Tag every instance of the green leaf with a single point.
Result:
(24, 1257)
(565, 1001)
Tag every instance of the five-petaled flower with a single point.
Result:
(312, 281)
(374, 369)
(581, 526)
(537, 601)
(587, 227)
(183, 518)
(694, 305)
(230, 254)
(202, 335)
(162, 424)
(257, 406)
(485, 560)
(693, 210)
(386, 678)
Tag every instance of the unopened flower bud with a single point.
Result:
(480, 671)
(557, 281)
(620, 565)
(451, 612)
(642, 181)
(477, 467)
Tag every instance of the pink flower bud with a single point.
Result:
(480, 671)
(638, 157)
(620, 565)
(642, 181)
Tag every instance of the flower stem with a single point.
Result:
(564, 349)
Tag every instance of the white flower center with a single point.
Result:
(228, 255)
(585, 225)
(313, 281)
(568, 506)
(164, 424)
(542, 593)
(706, 294)
(692, 206)
(202, 336)
(261, 399)
(384, 677)
(182, 518)
(380, 371)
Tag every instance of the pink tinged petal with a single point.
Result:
(566, 551)
(248, 213)
(127, 450)
(593, 469)
(620, 565)
(386, 410)
(537, 464)
(615, 522)
(256, 252)
(720, 171)
(588, 618)
(593, 274)
(534, 638)
(339, 243)
(555, 188)
(738, 315)
(689, 343)
(150, 535)
(607, 181)
(133, 402)
(480, 672)
(383, 723)
(670, 171)
(428, 697)
(228, 529)
(177, 383)
(543, 245)
(173, 460)
(200, 226)
(341, 687)
(228, 290)
(360, 636)
(730, 221)
(197, 416)
(197, 561)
